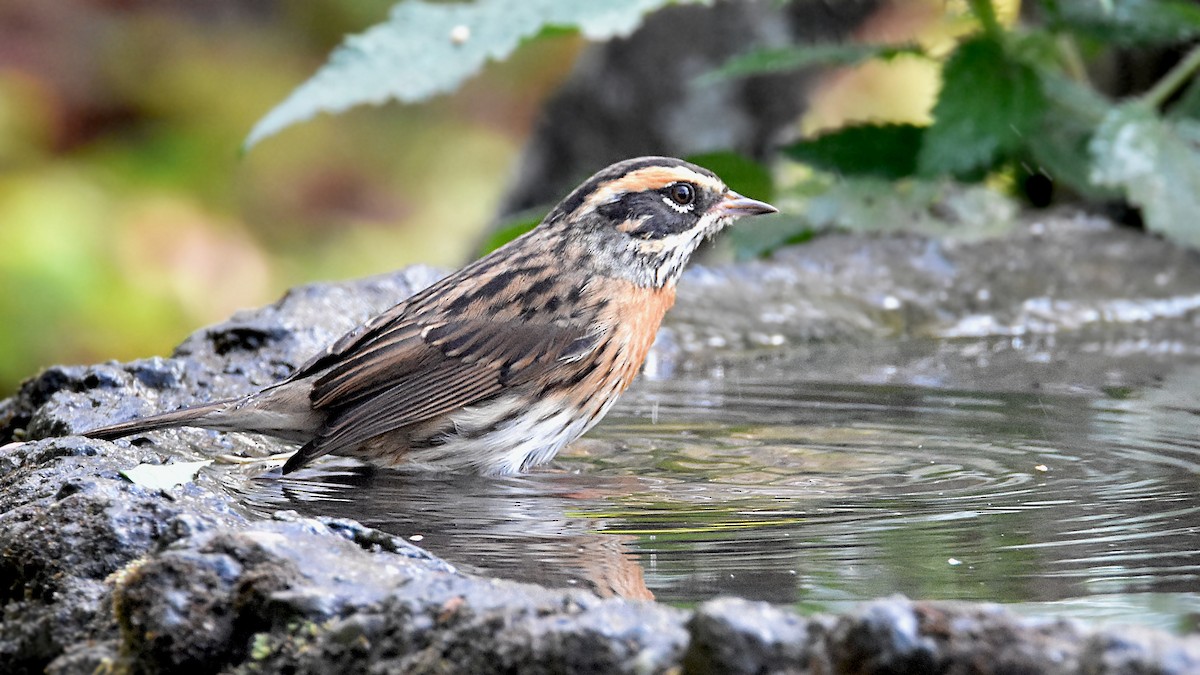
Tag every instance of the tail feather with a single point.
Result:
(283, 411)
(194, 416)
(307, 453)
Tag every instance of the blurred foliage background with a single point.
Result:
(128, 218)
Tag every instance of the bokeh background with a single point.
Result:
(128, 217)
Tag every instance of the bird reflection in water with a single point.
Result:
(531, 528)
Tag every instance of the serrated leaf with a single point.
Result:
(427, 48)
(786, 59)
(880, 150)
(1128, 22)
(164, 476)
(1157, 163)
(988, 106)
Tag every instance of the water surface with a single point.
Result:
(757, 482)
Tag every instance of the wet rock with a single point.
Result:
(1065, 302)
(897, 635)
(68, 521)
(373, 540)
(735, 636)
(1055, 273)
(1136, 651)
(89, 657)
(199, 603)
(284, 595)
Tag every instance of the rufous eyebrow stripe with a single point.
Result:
(649, 178)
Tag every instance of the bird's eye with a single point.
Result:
(682, 194)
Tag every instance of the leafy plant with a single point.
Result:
(427, 48)
(1015, 100)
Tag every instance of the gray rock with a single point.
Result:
(1055, 273)
(897, 635)
(282, 594)
(1137, 651)
(735, 636)
(89, 657)
(1064, 302)
(67, 522)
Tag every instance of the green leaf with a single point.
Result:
(427, 48)
(868, 204)
(986, 13)
(1157, 163)
(164, 476)
(1127, 22)
(884, 150)
(942, 208)
(740, 173)
(988, 107)
(786, 59)
(1061, 151)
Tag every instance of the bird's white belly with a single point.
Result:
(504, 437)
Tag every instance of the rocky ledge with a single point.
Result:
(99, 573)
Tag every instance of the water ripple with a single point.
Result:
(775, 488)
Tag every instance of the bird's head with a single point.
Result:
(643, 218)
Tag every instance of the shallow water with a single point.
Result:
(758, 483)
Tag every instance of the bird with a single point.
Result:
(496, 367)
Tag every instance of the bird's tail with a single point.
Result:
(282, 410)
(199, 416)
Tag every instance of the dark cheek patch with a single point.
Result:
(617, 212)
(645, 215)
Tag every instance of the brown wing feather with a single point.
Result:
(432, 371)
(358, 337)
(372, 365)
(390, 326)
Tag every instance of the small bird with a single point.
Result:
(496, 367)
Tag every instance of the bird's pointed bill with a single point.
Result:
(737, 206)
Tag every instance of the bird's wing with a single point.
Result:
(380, 325)
(413, 371)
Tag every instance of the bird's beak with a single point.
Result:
(736, 206)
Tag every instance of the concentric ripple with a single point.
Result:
(818, 495)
